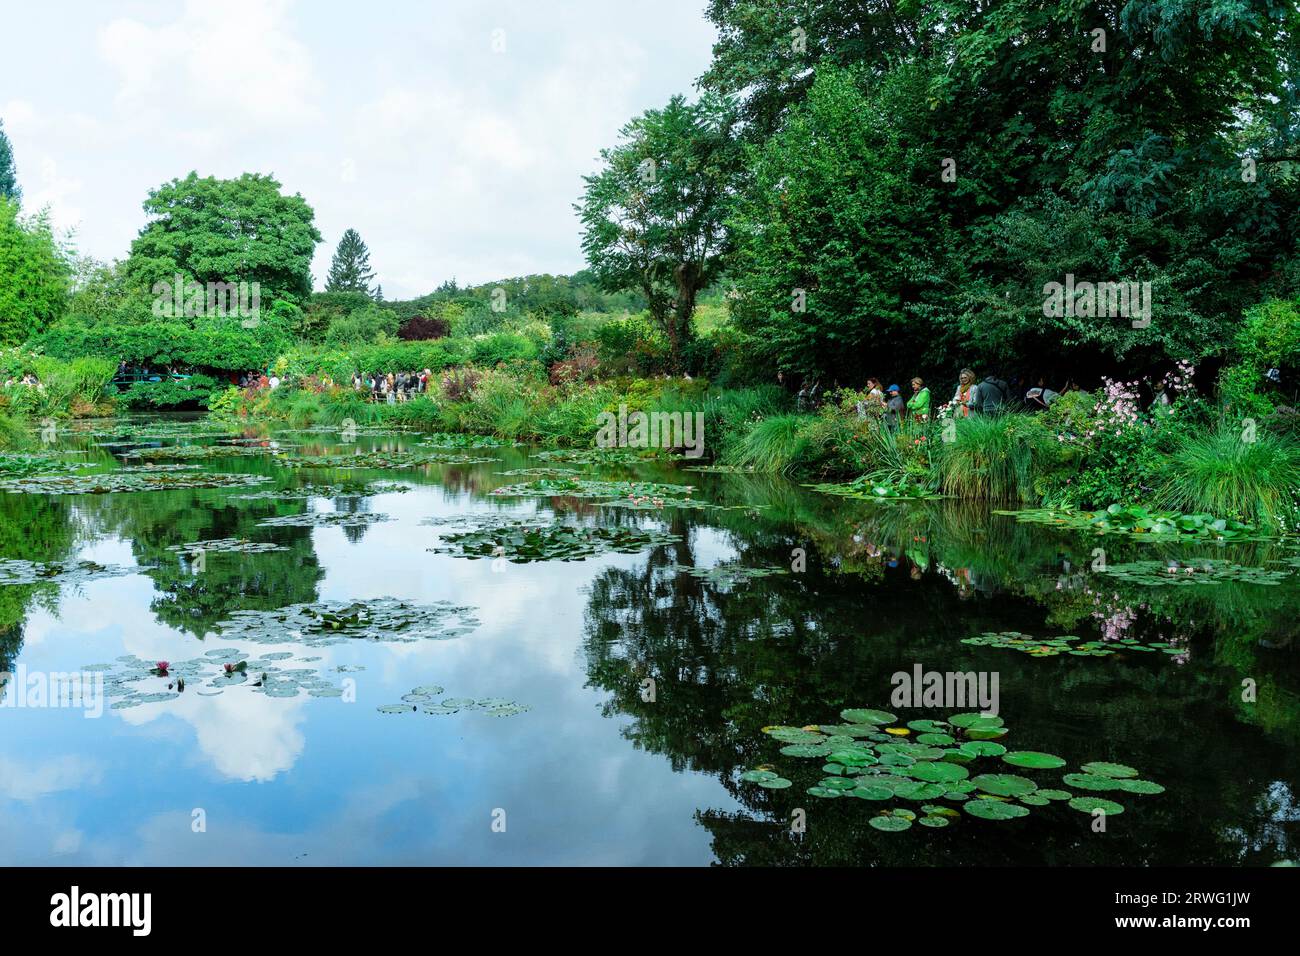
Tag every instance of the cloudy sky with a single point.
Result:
(452, 134)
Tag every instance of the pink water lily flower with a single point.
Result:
(163, 665)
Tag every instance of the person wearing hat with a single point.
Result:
(1041, 397)
(894, 408)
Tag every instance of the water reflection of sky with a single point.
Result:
(586, 776)
(318, 780)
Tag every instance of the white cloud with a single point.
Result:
(449, 159)
(235, 64)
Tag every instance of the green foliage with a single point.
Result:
(827, 245)
(996, 151)
(778, 443)
(34, 275)
(363, 326)
(350, 268)
(226, 230)
(653, 216)
(9, 188)
(1231, 472)
(13, 431)
(1268, 339)
(323, 308)
(993, 457)
(201, 343)
(193, 390)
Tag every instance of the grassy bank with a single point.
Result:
(37, 389)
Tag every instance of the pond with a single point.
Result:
(610, 661)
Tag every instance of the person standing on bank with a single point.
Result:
(894, 409)
(965, 399)
(919, 404)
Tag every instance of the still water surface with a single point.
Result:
(591, 772)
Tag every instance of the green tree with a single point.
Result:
(34, 275)
(1024, 145)
(828, 253)
(361, 325)
(227, 230)
(653, 216)
(350, 268)
(9, 188)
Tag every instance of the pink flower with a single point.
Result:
(163, 665)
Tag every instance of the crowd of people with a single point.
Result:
(973, 396)
(392, 387)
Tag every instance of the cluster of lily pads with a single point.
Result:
(149, 430)
(118, 481)
(926, 761)
(16, 571)
(135, 681)
(421, 699)
(1194, 572)
(867, 489)
(551, 472)
(726, 575)
(388, 620)
(721, 469)
(380, 459)
(153, 468)
(347, 489)
(591, 456)
(591, 488)
(1139, 521)
(458, 440)
(1066, 644)
(227, 546)
(188, 452)
(23, 465)
(522, 540)
(324, 519)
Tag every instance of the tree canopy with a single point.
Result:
(227, 230)
(918, 174)
(9, 188)
(350, 268)
(34, 275)
(653, 215)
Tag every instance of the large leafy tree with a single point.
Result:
(227, 230)
(1164, 150)
(34, 275)
(9, 188)
(350, 268)
(827, 258)
(653, 215)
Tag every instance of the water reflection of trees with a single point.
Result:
(796, 649)
(193, 596)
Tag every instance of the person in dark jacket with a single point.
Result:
(895, 408)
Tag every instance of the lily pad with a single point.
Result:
(1004, 784)
(1092, 804)
(1033, 760)
(1113, 770)
(994, 809)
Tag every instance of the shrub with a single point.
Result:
(775, 444)
(1249, 475)
(420, 328)
(992, 457)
